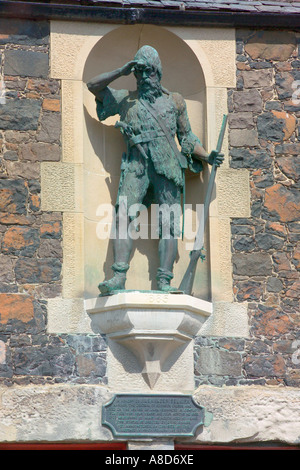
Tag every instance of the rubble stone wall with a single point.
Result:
(264, 117)
(31, 239)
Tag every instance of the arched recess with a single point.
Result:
(103, 146)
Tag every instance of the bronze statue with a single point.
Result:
(153, 169)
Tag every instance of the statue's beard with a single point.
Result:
(149, 89)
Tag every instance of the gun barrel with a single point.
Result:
(188, 279)
(222, 133)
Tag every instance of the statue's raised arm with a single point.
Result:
(100, 82)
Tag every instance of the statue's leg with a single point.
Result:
(131, 192)
(167, 250)
(169, 225)
(122, 248)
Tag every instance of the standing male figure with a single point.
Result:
(151, 117)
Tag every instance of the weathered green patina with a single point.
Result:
(153, 168)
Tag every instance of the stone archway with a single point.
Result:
(103, 147)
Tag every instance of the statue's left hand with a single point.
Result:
(215, 157)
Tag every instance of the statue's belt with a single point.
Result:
(148, 136)
(144, 137)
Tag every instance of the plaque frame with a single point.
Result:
(200, 414)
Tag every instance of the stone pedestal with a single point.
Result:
(150, 338)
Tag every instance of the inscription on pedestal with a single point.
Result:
(130, 415)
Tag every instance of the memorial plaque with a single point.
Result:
(130, 415)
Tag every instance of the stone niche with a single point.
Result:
(104, 145)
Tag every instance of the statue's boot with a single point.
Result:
(167, 255)
(117, 282)
(164, 278)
